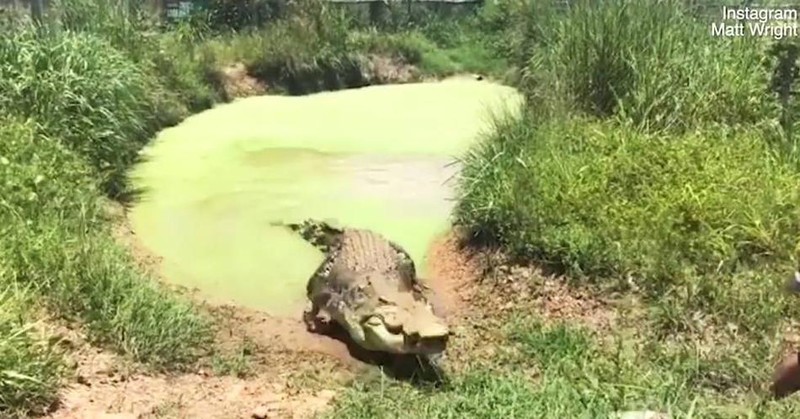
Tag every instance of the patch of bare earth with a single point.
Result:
(237, 82)
(484, 280)
(483, 293)
(385, 70)
(104, 386)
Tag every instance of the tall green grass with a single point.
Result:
(30, 366)
(604, 201)
(79, 96)
(77, 101)
(651, 63)
(82, 91)
(58, 245)
(680, 181)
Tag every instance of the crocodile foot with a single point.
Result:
(314, 323)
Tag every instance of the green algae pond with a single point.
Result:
(378, 157)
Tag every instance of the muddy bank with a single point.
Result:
(239, 81)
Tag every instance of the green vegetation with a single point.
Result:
(80, 95)
(562, 370)
(652, 159)
(654, 162)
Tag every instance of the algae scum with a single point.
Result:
(379, 158)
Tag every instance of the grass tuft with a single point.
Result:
(57, 245)
(30, 368)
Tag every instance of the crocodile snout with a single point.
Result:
(429, 343)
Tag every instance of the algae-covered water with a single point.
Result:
(378, 157)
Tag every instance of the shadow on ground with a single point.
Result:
(417, 370)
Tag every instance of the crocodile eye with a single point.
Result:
(395, 330)
(374, 321)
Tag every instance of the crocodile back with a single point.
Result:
(361, 251)
(364, 253)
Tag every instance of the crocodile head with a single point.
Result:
(405, 324)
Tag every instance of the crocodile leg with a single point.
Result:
(320, 297)
(311, 316)
(407, 261)
(408, 269)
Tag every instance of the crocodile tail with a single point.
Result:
(319, 233)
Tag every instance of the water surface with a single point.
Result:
(378, 157)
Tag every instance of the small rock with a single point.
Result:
(326, 394)
(261, 412)
(80, 379)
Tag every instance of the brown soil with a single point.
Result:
(385, 70)
(106, 387)
(237, 83)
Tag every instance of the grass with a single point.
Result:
(642, 166)
(30, 368)
(576, 376)
(566, 369)
(80, 95)
(58, 246)
(235, 362)
(645, 166)
(652, 160)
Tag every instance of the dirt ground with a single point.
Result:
(236, 82)
(293, 373)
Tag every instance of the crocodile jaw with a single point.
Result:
(430, 340)
(380, 338)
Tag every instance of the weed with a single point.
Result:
(30, 368)
(56, 245)
(236, 362)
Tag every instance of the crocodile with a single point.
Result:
(369, 285)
